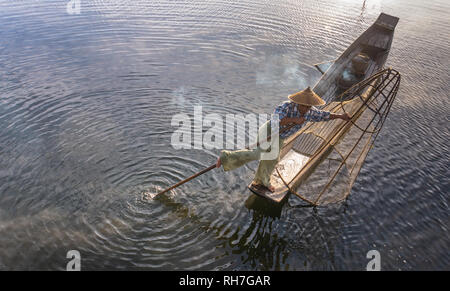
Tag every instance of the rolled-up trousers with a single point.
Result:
(234, 159)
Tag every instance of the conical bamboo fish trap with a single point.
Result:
(320, 163)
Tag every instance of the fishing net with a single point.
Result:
(334, 151)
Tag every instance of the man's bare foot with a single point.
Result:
(261, 186)
(218, 163)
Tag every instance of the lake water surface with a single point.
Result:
(86, 102)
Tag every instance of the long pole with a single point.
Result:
(188, 179)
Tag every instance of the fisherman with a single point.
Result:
(291, 116)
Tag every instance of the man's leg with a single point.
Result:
(234, 159)
(266, 168)
(231, 160)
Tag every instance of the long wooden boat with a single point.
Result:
(305, 150)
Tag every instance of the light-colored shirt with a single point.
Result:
(290, 109)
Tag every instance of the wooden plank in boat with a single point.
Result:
(276, 196)
(383, 41)
(373, 51)
(323, 67)
(376, 41)
(330, 91)
(387, 21)
(288, 167)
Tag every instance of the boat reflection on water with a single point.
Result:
(264, 206)
(280, 235)
(269, 208)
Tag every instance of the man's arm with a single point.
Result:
(290, 120)
(343, 116)
(301, 120)
(281, 112)
(316, 115)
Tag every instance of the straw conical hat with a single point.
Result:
(307, 97)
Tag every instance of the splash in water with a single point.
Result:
(151, 193)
